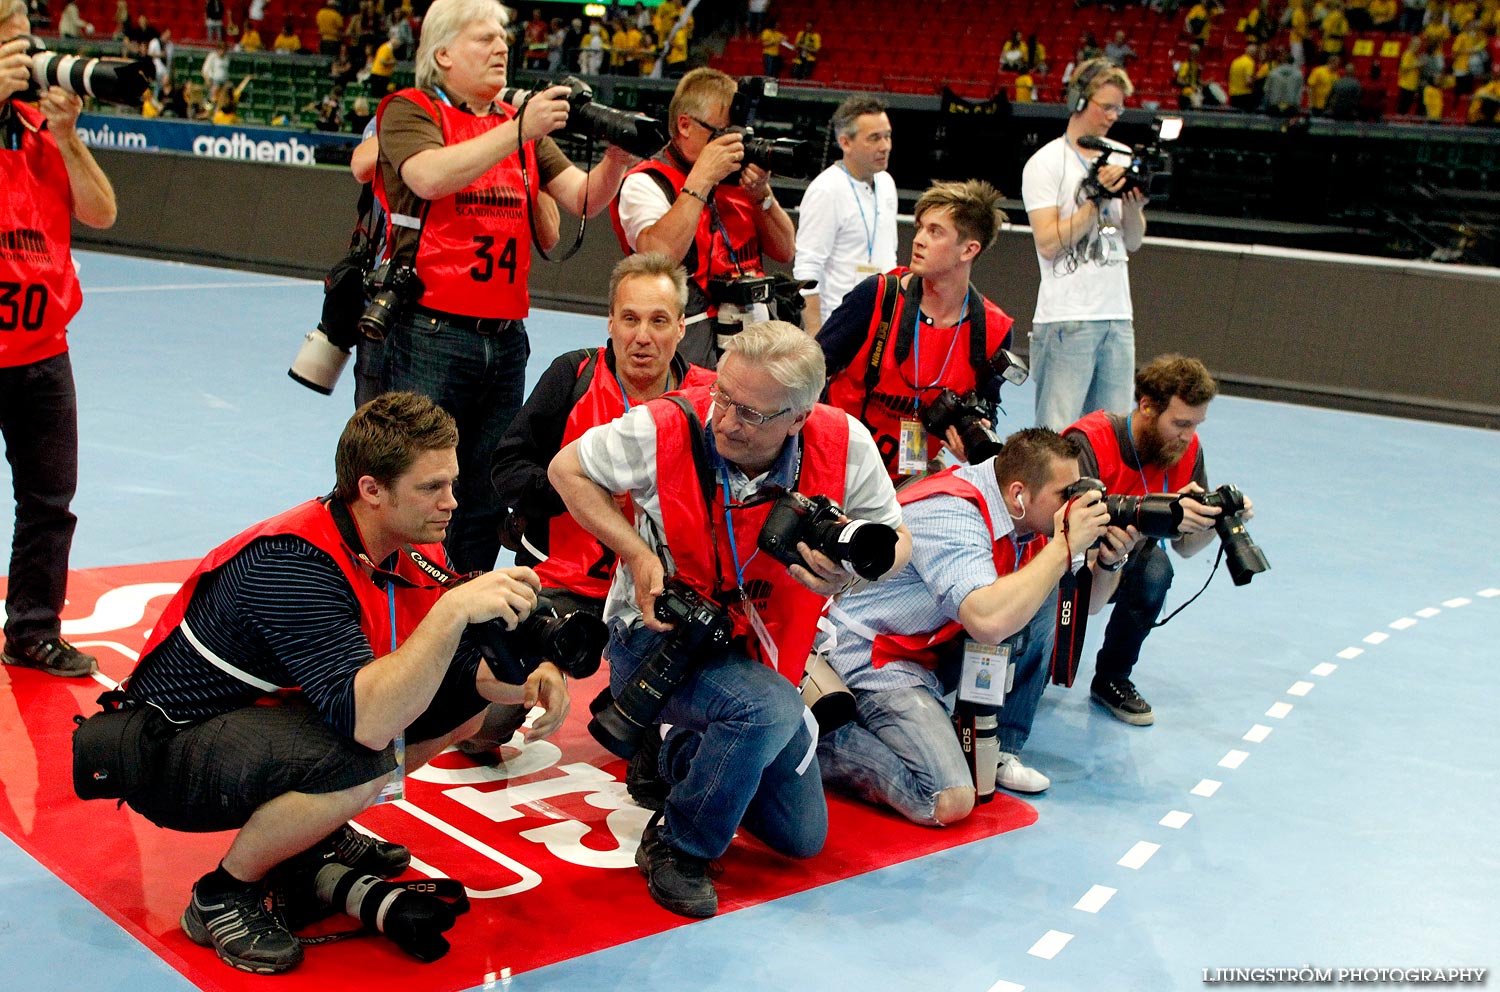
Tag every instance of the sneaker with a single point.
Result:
(363, 853)
(679, 882)
(1011, 774)
(240, 930)
(643, 775)
(1120, 698)
(54, 656)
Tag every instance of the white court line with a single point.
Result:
(1094, 899)
(1233, 759)
(1402, 624)
(1489, 593)
(1176, 819)
(1300, 689)
(1138, 855)
(1379, 637)
(1327, 668)
(1257, 734)
(174, 287)
(1004, 986)
(1206, 787)
(1349, 654)
(1454, 604)
(1049, 944)
(1279, 711)
(1428, 612)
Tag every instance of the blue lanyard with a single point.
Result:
(916, 354)
(390, 595)
(622, 389)
(870, 231)
(1141, 469)
(734, 549)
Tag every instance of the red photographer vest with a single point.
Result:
(946, 362)
(714, 251)
(698, 536)
(474, 251)
(312, 522)
(39, 290)
(575, 559)
(1121, 479)
(922, 647)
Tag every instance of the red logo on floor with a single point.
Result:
(544, 839)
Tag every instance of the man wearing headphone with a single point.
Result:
(1086, 225)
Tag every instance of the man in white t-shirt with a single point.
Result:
(1085, 224)
(846, 228)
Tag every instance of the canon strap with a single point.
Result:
(1072, 623)
(344, 521)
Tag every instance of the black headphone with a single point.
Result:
(1078, 89)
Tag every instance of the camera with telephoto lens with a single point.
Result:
(700, 626)
(864, 547)
(573, 642)
(392, 289)
(1159, 515)
(968, 412)
(1148, 167)
(741, 291)
(120, 81)
(638, 134)
(326, 349)
(414, 921)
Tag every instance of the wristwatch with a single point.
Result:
(768, 202)
(1117, 565)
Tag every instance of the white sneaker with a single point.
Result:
(1011, 774)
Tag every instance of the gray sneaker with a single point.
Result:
(52, 655)
(241, 931)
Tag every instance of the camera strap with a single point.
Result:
(887, 295)
(906, 336)
(536, 241)
(1073, 591)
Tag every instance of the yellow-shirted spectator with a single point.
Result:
(1409, 75)
(287, 40)
(1242, 80)
(1320, 84)
(1335, 28)
(771, 41)
(619, 48)
(1489, 15)
(677, 50)
(1484, 106)
(250, 40)
(1432, 100)
(1461, 13)
(1299, 28)
(666, 15)
(1189, 80)
(1467, 54)
(808, 44)
(1383, 14)
(1200, 21)
(1025, 88)
(330, 27)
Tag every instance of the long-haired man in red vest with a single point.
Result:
(740, 751)
(939, 330)
(47, 178)
(295, 658)
(458, 175)
(975, 608)
(1152, 449)
(700, 203)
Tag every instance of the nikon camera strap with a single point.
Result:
(887, 295)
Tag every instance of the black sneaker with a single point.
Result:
(679, 882)
(365, 854)
(1120, 698)
(643, 775)
(54, 656)
(240, 930)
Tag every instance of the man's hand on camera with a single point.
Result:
(61, 109)
(548, 689)
(1084, 520)
(756, 182)
(1196, 518)
(718, 159)
(821, 574)
(650, 581)
(545, 112)
(506, 594)
(1118, 543)
(955, 441)
(15, 67)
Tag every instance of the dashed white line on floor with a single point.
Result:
(1094, 899)
(1175, 819)
(1349, 654)
(1138, 855)
(1428, 612)
(1004, 986)
(1278, 711)
(1454, 604)
(1206, 787)
(1257, 733)
(1325, 669)
(1379, 637)
(1300, 689)
(1233, 759)
(1402, 624)
(1049, 944)
(1489, 593)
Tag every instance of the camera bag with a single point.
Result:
(113, 751)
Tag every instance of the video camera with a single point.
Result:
(864, 547)
(638, 134)
(573, 642)
(700, 625)
(1159, 515)
(968, 412)
(120, 81)
(1148, 167)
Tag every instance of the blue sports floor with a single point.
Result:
(1321, 787)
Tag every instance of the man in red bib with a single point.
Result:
(740, 751)
(458, 173)
(286, 673)
(47, 178)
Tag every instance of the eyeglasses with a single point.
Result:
(1109, 108)
(746, 414)
(711, 129)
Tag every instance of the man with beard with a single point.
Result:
(1152, 449)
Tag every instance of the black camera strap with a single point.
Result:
(1073, 591)
(531, 197)
(344, 521)
(889, 293)
(906, 333)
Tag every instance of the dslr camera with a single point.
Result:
(638, 134)
(392, 289)
(741, 291)
(120, 81)
(968, 412)
(573, 642)
(326, 349)
(1158, 515)
(1148, 167)
(700, 625)
(864, 547)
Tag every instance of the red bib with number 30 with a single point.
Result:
(474, 255)
(39, 290)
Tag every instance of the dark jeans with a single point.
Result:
(1138, 602)
(480, 379)
(39, 421)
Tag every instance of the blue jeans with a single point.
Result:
(731, 758)
(1138, 602)
(480, 379)
(1080, 366)
(902, 750)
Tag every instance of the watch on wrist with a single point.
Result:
(769, 202)
(1119, 563)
